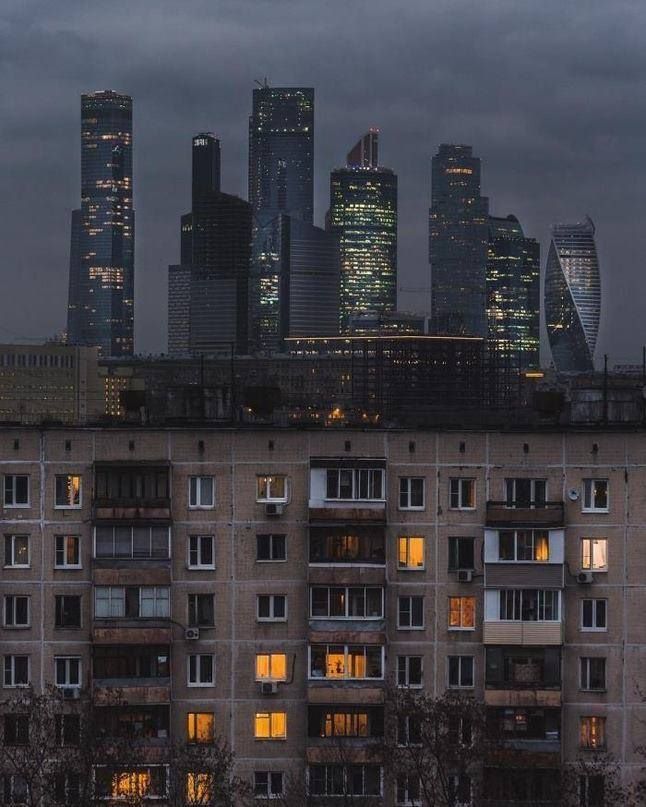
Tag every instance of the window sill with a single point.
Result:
(269, 619)
(16, 566)
(201, 507)
(200, 568)
(68, 507)
(16, 627)
(17, 506)
(210, 685)
(411, 627)
(595, 510)
(271, 560)
(414, 509)
(411, 568)
(68, 568)
(458, 629)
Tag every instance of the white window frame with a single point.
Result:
(346, 665)
(268, 481)
(584, 673)
(198, 552)
(517, 596)
(66, 565)
(456, 489)
(410, 598)
(270, 793)
(269, 677)
(408, 800)
(408, 567)
(12, 504)
(592, 543)
(594, 628)
(198, 683)
(21, 625)
(462, 598)
(11, 669)
(357, 484)
(532, 484)
(272, 608)
(346, 595)
(12, 541)
(516, 558)
(67, 662)
(461, 663)
(196, 503)
(406, 493)
(271, 736)
(69, 506)
(406, 671)
(587, 506)
(271, 536)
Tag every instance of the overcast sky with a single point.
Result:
(550, 93)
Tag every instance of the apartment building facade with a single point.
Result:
(266, 585)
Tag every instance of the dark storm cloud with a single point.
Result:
(550, 94)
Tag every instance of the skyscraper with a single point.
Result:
(573, 296)
(513, 292)
(281, 151)
(363, 214)
(101, 293)
(458, 238)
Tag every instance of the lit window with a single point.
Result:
(200, 670)
(270, 547)
(271, 667)
(409, 671)
(594, 615)
(462, 613)
(201, 492)
(461, 553)
(524, 545)
(411, 552)
(67, 671)
(462, 494)
(16, 611)
(410, 612)
(200, 552)
(411, 493)
(267, 784)
(346, 661)
(592, 733)
(16, 490)
(460, 672)
(271, 488)
(595, 495)
(68, 491)
(16, 671)
(16, 551)
(68, 554)
(200, 727)
(593, 673)
(130, 785)
(270, 725)
(271, 607)
(199, 787)
(594, 554)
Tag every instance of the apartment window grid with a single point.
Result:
(16, 552)
(16, 671)
(67, 552)
(201, 670)
(462, 493)
(68, 492)
(271, 547)
(201, 492)
(411, 493)
(592, 674)
(410, 671)
(16, 490)
(271, 608)
(410, 612)
(595, 496)
(67, 671)
(594, 615)
(460, 672)
(345, 780)
(201, 553)
(17, 611)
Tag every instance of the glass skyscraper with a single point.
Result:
(458, 242)
(101, 292)
(573, 296)
(363, 214)
(513, 293)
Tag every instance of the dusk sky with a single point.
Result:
(550, 93)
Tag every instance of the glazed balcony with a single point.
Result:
(134, 491)
(347, 490)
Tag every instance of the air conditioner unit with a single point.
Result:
(191, 634)
(465, 575)
(71, 693)
(269, 687)
(273, 509)
(585, 577)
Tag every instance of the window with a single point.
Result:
(16, 551)
(461, 553)
(357, 544)
(460, 790)
(67, 552)
(594, 614)
(67, 671)
(200, 552)
(68, 729)
(407, 791)
(132, 542)
(409, 730)
(270, 726)
(267, 784)
(526, 493)
(67, 789)
(15, 790)
(199, 788)
(271, 488)
(341, 602)
(462, 494)
(341, 780)
(200, 727)
(411, 493)
(16, 490)
(530, 605)
(16, 729)
(131, 661)
(409, 671)
(595, 496)
(345, 721)
(131, 785)
(16, 611)
(271, 608)
(346, 661)
(68, 491)
(131, 602)
(16, 671)
(592, 790)
(410, 612)
(68, 611)
(462, 613)
(365, 484)
(200, 670)
(201, 492)
(270, 547)
(524, 545)
(201, 611)
(594, 554)
(271, 667)
(410, 552)
(593, 673)
(460, 672)
(592, 733)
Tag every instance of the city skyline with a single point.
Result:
(527, 161)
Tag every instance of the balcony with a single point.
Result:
(529, 677)
(136, 491)
(503, 515)
(347, 546)
(347, 490)
(511, 632)
(532, 730)
(131, 691)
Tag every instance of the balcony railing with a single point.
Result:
(542, 514)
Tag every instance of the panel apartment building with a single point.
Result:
(265, 584)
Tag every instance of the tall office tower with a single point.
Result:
(101, 297)
(513, 293)
(294, 289)
(573, 296)
(281, 151)
(458, 238)
(179, 307)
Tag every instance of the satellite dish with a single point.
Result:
(573, 494)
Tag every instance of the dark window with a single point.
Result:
(200, 610)
(461, 553)
(270, 547)
(68, 729)
(16, 729)
(68, 611)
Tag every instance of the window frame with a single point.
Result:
(406, 672)
(458, 493)
(271, 736)
(198, 683)
(192, 719)
(410, 597)
(272, 608)
(406, 493)
(270, 677)
(592, 542)
(62, 597)
(460, 671)
(13, 504)
(270, 536)
(589, 484)
(13, 625)
(517, 605)
(156, 599)
(461, 599)
(269, 793)
(346, 595)
(198, 492)
(407, 567)
(346, 656)
(10, 540)
(535, 535)
(132, 554)
(585, 674)
(198, 552)
(68, 506)
(594, 614)
(455, 540)
(67, 666)
(268, 479)
(589, 743)
(189, 609)
(66, 565)
(511, 500)
(356, 483)
(11, 669)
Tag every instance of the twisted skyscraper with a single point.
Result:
(573, 296)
